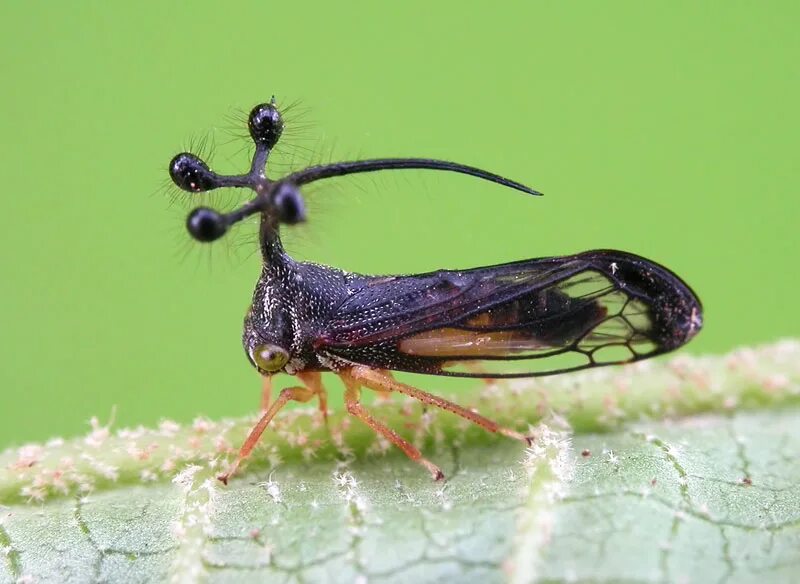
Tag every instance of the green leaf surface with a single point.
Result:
(685, 471)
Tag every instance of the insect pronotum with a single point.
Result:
(522, 319)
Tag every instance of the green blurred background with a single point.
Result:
(669, 129)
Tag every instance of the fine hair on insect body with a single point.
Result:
(522, 319)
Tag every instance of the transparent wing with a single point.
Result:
(535, 317)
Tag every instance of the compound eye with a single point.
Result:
(191, 174)
(270, 358)
(290, 205)
(206, 225)
(266, 124)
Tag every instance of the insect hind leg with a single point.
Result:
(354, 408)
(378, 381)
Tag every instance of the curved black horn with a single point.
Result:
(315, 173)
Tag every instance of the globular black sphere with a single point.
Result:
(265, 124)
(206, 225)
(191, 174)
(290, 205)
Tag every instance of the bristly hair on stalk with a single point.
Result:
(279, 200)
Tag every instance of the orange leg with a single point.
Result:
(384, 396)
(266, 392)
(313, 380)
(379, 381)
(299, 394)
(354, 408)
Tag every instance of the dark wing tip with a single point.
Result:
(676, 310)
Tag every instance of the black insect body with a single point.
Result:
(528, 318)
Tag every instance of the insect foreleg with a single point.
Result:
(266, 392)
(313, 380)
(299, 394)
(351, 399)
